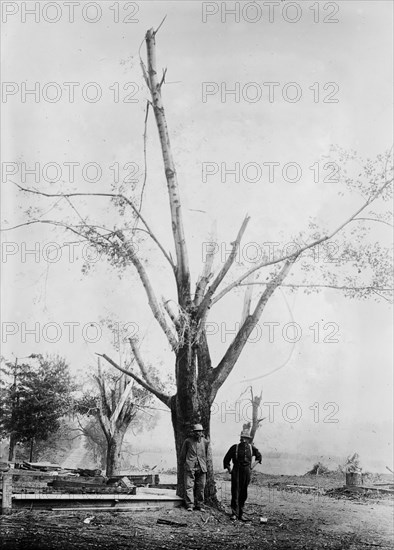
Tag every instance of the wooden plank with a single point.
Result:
(126, 482)
(155, 491)
(89, 501)
(162, 521)
(110, 509)
(30, 473)
(42, 465)
(137, 478)
(88, 490)
(6, 498)
(77, 484)
(84, 496)
(303, 487)
(171, 486)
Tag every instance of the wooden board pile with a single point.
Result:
(38, 466)
(140, 480)
(93, 485)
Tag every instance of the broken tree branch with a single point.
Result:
(182, 268)
(152, 300)
(338, 287)
(119, 196)
(248, 298)
(207, 272)
(166, 399)
(264, 263)
(221, 372)
(140, 362)
(206, 302)
(174, 318)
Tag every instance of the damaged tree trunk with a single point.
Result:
(114, 448)
(254, 425)
(31, 449)
(188, 408)
(12, 448)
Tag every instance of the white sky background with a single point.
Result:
(356, 371)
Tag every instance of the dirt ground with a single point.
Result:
(297, 518)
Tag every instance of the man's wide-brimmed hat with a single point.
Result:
(197, 428)
(245, 433)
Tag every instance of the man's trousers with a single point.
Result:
(194, 487)
(240, 479)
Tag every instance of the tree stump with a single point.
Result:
(353, 479)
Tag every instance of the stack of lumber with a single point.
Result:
(96, 485)
(140, 480)
(40, 466)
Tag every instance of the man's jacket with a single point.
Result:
(194, 454)
(241, 455)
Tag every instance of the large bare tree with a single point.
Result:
(197, 379)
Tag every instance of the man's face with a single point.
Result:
(197, 435)
(245, 440)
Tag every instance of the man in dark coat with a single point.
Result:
(194, 455)
(241, 456)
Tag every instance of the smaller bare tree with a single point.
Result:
(117, 404)
(255, 401)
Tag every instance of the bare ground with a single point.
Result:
(295, 520)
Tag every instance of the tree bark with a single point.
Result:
(182, 430)
(182, 272)
(253, 426)
(12, 448)
(31, 449)
(191, 405)
(114, 447)
(13, 441)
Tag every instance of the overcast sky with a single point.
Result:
(341, 94)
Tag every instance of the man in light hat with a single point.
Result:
(194, 455)
(241, 455)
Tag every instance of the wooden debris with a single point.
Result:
(373, 488)
(40, 466)
(125, 482)
(84, 472)
(77, 482)
(170, 522)
(318, 469)
(294, 486)
(90, 485)
(88, 520)
(171, 486)
(108, 509)
(137, 479)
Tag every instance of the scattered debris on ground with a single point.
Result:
(319, 469)
(310, 512)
